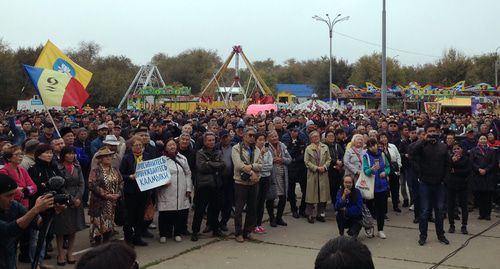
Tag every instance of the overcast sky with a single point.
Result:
(278, 29)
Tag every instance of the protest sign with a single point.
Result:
(153, 173)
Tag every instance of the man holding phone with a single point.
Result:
(433, 163)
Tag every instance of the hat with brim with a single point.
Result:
(103, 152)
(140, 130)
(392, 122)
(111, 140)
(240, 125)
(223, 133)
(309, 123)
(102, 126)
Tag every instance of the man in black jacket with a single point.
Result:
(433, 164)
(408, 136)
(297, 172)
(225, 147)
(208, 186)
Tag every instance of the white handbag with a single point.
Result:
(366, 184)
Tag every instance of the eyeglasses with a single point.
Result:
(251, 135)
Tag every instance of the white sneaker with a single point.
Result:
(163, 240)
(369, 232)
(381, 234)
(178, 238)
(412, 207)
(152, 226)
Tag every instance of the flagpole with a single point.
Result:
(51, 119)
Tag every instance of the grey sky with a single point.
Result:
(266, 29)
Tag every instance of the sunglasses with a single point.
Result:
(251, 135)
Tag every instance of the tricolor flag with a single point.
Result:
(53, 58)
(56, 88)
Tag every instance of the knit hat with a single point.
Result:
(65, 130)
(31, 145)
(7, 184)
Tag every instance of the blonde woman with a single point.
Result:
(317, 159)
(353, 157)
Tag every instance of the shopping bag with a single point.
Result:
(366, 185)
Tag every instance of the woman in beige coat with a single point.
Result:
(317, 159)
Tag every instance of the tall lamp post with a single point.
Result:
(497, 66)
(330, 24)
(384, 67)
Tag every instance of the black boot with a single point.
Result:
(281, 222)
(272, 221)
(452, 229)
(405, 203)
(194, 237)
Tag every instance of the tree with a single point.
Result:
(369, 69)
(452, 67)
(482, 69)
(111, 79)
(86, 54)
(191, 67)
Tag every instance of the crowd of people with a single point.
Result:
(225, 164)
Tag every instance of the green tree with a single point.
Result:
(452, 67)
(112, 77)
(191, 68)
(369, 69)
(482, 69)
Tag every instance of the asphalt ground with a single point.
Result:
(297, 245)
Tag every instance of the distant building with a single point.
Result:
(293, 93)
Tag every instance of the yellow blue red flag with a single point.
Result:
(53, 58)
(56, 88)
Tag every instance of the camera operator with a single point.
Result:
(15, 218)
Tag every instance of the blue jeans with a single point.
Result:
(431, 195)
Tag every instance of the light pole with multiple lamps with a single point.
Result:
(330, 24)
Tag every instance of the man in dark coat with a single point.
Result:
(433, 165)
(208, 186)
(484, 165)
(225, 146)
(297, 172)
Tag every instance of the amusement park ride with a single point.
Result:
(255, 88)
(148, 87)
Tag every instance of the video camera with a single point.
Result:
(54, 186)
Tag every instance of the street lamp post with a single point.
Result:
(330, 24)
(497, 66)
(384, 66)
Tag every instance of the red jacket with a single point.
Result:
(23, 180)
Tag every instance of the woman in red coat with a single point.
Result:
(25, 185)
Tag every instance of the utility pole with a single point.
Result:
(384, 67)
